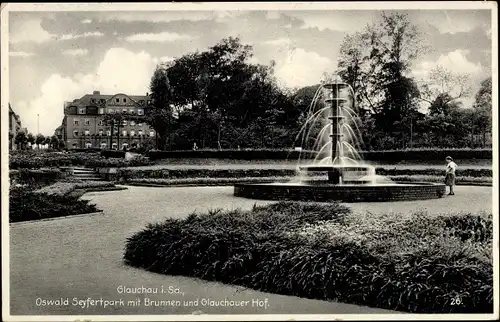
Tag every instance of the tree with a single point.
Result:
(31, 139)
(160, 113)
(20, 140)
(40, 139)
(54, 142)
(483, 109)
(446, 87)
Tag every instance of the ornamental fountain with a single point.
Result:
(347, 178)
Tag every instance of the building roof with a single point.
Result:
(86, 99)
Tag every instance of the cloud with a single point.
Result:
(278, 42)
(302, 68)
(29, 30)
(455, 61)
(159, 37)
(84, 35)
(76, 52)
(109, 77)
(86, 21)
(343, 20)
(20, 54)
(157, 16)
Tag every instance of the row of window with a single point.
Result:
(108, 133)
(104, 145)
(117, 100)
(82, 110)
(102, 123)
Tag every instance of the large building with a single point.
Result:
(14, 128)
(86, 122)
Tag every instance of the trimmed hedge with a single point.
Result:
(38, 159)
(269, 154)
(416, 264)
(28, 205)
(128, 174)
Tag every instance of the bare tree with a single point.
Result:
(444, 83)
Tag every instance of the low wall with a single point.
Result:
(346, 193)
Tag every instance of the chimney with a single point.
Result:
(97, 93)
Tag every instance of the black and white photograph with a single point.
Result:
(249, 161)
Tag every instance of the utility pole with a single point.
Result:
(38, 123)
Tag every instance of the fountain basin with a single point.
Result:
(324, 192)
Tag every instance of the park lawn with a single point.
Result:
(415, 262)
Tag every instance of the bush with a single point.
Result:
(418, 263)
(36, 159)
(64, 188)
(35, 177)
(27, 205)
(270, 154)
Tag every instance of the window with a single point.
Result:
(108, 133)
(74, 145)
(124, 100)
(140, 112)
(101, 131)
(139, 124)
(114, 145)
(132, 111)
(151, 133)
(141, 102)
(103, 145)
(101, 123)
(101, 110)
(88, 145)
(140, 132)
(132, 133)
(125, 145)
(76, 122)
(124, 110)
(81, 110)
(124, 132)
(118, 100)
(124, 123)
(132, 123)
(87, 122)
(87, 132)
(102, 101)
(92, 100)
(75, 132)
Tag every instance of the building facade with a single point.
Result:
(14, 128)
(88, 122)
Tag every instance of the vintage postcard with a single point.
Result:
(249, 161)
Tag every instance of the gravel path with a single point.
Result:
(81, 257)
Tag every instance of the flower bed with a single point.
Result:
(418, 263)
(25, 204)
(64, 188)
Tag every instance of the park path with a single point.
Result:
(81, 256)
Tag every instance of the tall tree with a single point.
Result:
(20, 140)
(31, 139)
(160, 113)
(483, 119)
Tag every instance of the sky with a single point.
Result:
(59, 56)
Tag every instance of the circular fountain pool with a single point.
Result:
(324, 192)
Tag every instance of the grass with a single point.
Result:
(417, 262)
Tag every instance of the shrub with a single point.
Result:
(34, 160)
(416, 262)
(28, 205)
(35, 177)
(64, 188)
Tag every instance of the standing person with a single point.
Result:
(450, 174)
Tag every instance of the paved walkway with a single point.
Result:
(81, 257)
